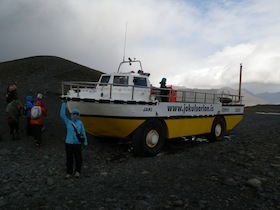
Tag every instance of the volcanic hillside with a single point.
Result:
(43, 74)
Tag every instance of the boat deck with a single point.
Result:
(94, 91)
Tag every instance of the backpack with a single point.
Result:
(35, 112)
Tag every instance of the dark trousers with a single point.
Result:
(164, 95)
(73, 152)
(29, 130)
(13, 127)
(37, 133)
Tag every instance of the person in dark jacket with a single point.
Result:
(29, 105)
(73, 147)
(164, 91)
(13, 110)
(11, 92)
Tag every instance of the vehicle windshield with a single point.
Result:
(104, 80)
(140, 81)
(120, 80)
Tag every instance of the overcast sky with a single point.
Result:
(193, 43)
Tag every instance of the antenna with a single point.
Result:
(240, 80)
(124, 42)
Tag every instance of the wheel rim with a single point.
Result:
(218, 130)
(152, 138)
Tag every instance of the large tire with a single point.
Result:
(218, 129)
(149, 138)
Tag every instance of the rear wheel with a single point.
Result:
(149, 138)
(218, 130)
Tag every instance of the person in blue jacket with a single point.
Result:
(29, 105)
(72, 145)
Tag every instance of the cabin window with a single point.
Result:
(140, 81)
(120, 80)
(104, 80)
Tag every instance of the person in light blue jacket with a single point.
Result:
(72, 145)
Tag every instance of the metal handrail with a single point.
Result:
(181, 95)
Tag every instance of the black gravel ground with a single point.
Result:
(240, 172)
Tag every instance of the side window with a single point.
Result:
(140, 81)
(104, 80)
(120, 80)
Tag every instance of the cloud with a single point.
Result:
(192, 43)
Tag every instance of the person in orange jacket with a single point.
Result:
(37, 123)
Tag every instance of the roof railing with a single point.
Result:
(185, 96)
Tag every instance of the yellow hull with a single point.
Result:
(110, 127)
(197, 126)
(232, 121)
(188, 126)
(123, 127)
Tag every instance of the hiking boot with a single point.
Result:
(68, 176)
(77, 174)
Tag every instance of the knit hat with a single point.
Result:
(163, 80)
(76, 111)
(39, 96)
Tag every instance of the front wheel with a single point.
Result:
(149, 138)
(218, 130)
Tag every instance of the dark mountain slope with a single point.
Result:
(43, 74)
